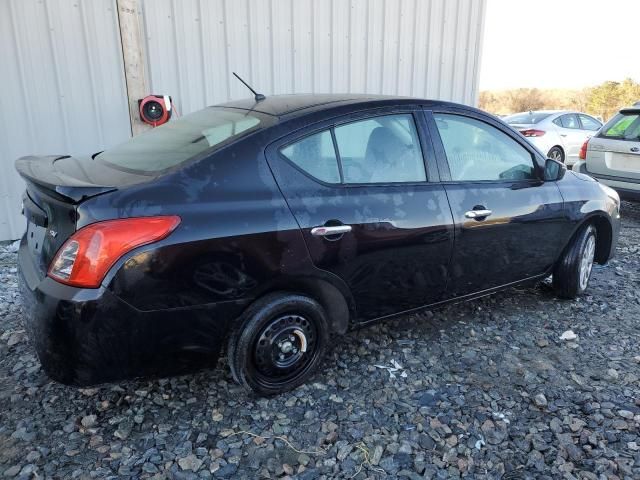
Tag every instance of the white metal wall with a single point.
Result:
(62, 87)
(423, 48)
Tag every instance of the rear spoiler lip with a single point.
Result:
(71, 189)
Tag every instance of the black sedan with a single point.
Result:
(267, 228)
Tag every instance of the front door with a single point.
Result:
(369, 214)
(509, 224)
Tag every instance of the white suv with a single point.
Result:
(613, 154)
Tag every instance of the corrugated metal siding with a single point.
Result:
(423, 48)
(62, 87)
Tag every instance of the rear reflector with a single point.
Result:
(583, 150)
(86, 257)
(532, 132)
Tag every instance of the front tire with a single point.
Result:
(280, 343)
(572, 272)
(557, 154)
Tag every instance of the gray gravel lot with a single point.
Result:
(484, 390)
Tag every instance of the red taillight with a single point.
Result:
(86, 257)
(532, 132)
(583, 150)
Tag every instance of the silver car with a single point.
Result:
(613, 154)
(558, 134)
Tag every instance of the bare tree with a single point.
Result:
(524, 99)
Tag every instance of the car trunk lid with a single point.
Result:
(56, 185)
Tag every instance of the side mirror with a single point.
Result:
(554, 170)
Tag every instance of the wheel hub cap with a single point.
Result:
(586, 263)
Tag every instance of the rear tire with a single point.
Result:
(572, 272)
(279, 344)
(556, 153)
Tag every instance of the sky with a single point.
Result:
(559, 43)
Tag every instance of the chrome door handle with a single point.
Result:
(478, 213)
(563, 134)
(326, 231)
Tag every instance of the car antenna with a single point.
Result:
(256, 95)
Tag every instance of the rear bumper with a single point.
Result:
(90, 336)
(628, 190)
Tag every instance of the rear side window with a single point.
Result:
(569, 121)
(181, 139)
(381, 150)
(624, 126)
(384, 149)
(589, 123)
(316, 156)
(477, 151)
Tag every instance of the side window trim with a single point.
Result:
(424, 139)
(438, 146)
(429, 156)
(443, 162)
(336, 150)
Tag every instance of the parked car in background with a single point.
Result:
(613, 155)
(558, 134)
(267, 228)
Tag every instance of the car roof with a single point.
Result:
(631, 110)
(297, 104)
(550, 112)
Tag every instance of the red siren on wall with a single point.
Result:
(155, 109)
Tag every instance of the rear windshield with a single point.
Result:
(624, 126)
(181, 139)
(526, 118)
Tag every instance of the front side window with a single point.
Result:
(624, 126)
(477, 151)
(383, 149)
(179, 140)
(589, 123)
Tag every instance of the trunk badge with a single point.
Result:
(53, 233)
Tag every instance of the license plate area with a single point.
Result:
(35, 239)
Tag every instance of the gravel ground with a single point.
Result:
(482, 390)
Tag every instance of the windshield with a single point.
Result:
(625, 126)
(180, 139)
(526, 118)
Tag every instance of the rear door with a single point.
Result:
(369, 207)
(572, 135)
(615, 151)
(509, 224)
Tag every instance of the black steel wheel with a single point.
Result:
(279, 344)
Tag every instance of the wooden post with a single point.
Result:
(134, 59)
